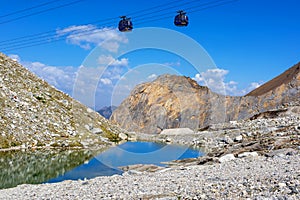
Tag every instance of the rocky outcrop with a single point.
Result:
(35, 114)
(173, 101)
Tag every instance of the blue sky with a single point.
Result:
(249, 41)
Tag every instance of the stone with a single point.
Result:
(281, 185)
(87, 127)
(227, 140)
(97, 131)
(89, 110)
(123, 136)
(238, 138)
(226, 158)
(248, 154)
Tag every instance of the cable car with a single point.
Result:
(181, 19)
(125, 24)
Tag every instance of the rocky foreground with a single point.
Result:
(256, 158)
(277, 177)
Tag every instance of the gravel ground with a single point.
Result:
(276, 177)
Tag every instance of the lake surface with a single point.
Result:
(20, 167)
(129, 153)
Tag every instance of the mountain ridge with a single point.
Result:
(283, 78)
(172, 101)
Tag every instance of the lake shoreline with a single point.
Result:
(256, 159)
(249, 177)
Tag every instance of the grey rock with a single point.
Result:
(227, 140)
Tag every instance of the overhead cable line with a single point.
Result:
(27, 9)
(41, 11)
(38, 40)
(112, 19)
(188, 9)
(53, 33)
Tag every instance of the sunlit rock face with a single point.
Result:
(173, 101)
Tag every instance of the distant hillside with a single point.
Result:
(173, 101)
(35, 114)
(107, 111)
(283, 78)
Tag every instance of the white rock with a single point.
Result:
(123, 136)
(226, 158)
(248, 154)
(281, 185)
(97, 131)
(177, 131)
(238, 138)
(87, 127)
(89, 110)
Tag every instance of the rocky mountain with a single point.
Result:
(107, 111)
(35, 114)
(173, 101)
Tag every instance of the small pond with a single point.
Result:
(54, 166)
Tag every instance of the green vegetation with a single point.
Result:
(110, 135)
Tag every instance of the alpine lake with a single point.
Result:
(49, 166)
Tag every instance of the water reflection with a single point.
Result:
(19, 167)
(108, 162)
(131, 153)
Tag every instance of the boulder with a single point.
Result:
(177, 131)
(248, 154)
(226, 158)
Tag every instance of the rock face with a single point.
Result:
(173, 101)
(107, 111)
(33, 113)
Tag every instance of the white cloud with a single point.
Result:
(152, 77)
(106, 81)
(173, 64)
(112, 68)
(251, 87)
(86, 36)
(109, 60)
(215, 80)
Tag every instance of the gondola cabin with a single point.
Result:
(125, 24)
(181, 19)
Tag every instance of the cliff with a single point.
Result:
(173, 101)
(35, 114)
